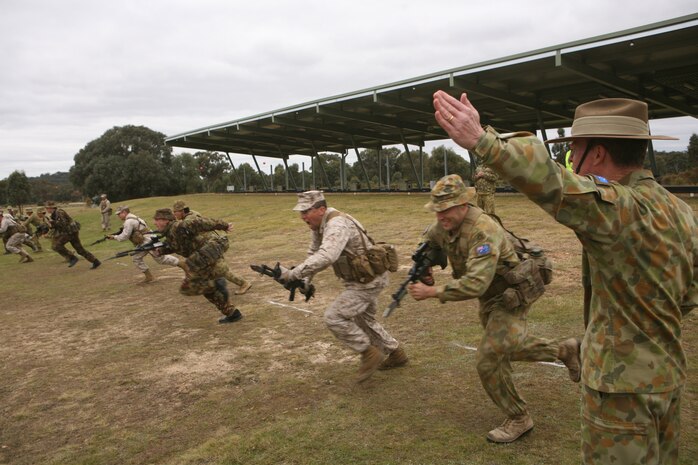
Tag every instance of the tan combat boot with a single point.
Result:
(371, 359)
(148, 277)
(397, 358)
(25, 257)
(244, 287)
(569, 354)
(511, 430)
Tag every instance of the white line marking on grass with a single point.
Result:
(289, 306)
(555, 364)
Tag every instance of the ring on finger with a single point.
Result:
(450, 118)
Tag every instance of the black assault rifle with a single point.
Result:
(99, 241)
(424, 258)
(157, 244)
(308, 290)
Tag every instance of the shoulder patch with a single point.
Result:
(483, 249)
(601, 180)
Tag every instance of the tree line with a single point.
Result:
(134, 161)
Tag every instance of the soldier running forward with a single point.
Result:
(335, 237)
(66, 230)
(182, 212)
(16, 235)
(205, 258)
(481, 256)
(639, 266)
(133, 230)
(37, 220)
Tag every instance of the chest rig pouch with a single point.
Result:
(527, 280)
(212, 251)
(363, 268)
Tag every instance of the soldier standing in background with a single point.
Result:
(639, 266)
(106, 211)
(482, 258)
(133, 230)
(336, 236)
(182, 212)
(205, 258)
(66, 230)
(485, 186)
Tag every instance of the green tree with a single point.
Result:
(455, 164)
(212, 168)
(18, 189)
(125, 162)
(185, 174)
(693, 150)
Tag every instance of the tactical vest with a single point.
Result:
(363, 268)
(137, 237)
(518, 283)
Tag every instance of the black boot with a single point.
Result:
(232, 318)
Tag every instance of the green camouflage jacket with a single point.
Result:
(62, 223)
(187, 236)
(477, 252)
(641, 243)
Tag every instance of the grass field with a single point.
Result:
(99, 369)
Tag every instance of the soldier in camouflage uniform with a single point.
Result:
(639, 267)
(14, 234)
(205, 258)
(66, 230)
(182, 212)
(485, 186)
(133, 230)
(106, 211)
(481, 255)
(37, 220)
(335, 237)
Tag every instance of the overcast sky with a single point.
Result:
(72, 69)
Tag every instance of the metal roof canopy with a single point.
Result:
(656, 63)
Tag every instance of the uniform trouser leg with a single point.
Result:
(235, 279)
(58, 245)
(139, 262)
(351, 318)
(35, 239)
(105, 221)
(211, 284)
(77, 245)
(630, 428)
(14, 244)
(506, 339)
(169, 260)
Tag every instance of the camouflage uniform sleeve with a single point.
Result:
(522, 160)
(481, 251)
(334, 239)
(201, 224)
(691, 300)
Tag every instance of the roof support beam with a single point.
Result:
(414, 170)
(322, 168)
(235, 172)
(389, 122)
(284, 158)
(400, 103)
(363, 168)
(261, 175)
(630, 88)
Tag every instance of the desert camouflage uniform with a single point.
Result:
(480, 254)
(35, 220)
(66, 230)
(187, 238)
(105, 210)
(13, 234)
(486, 186)
(133, 231)
(640, 263)
(351, 317)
